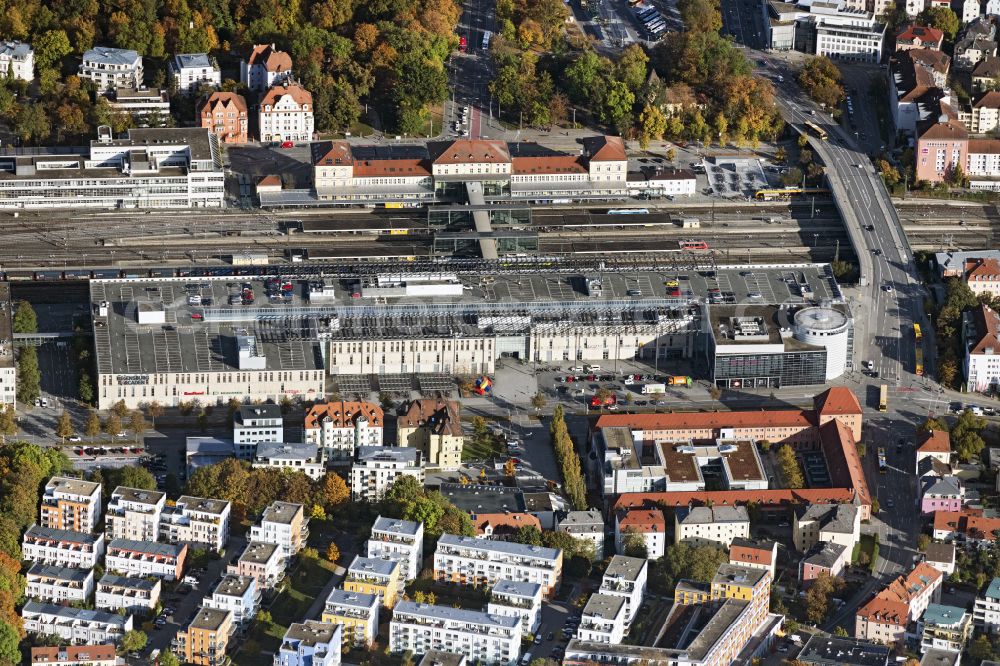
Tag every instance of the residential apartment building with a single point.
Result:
(206, 638)
(356, 612)
(503, 526)
(17, 60)
(240, 595)
(224, 114)
(915, 36)
(886, 616)
(434, 427)
(63, 548)
(941, 556)
(377, 467)
(983, 116)
(145, 558)
(647, 524)
(825, 557)
(190, 71)
(310, 643)
(587, 525)
(59, 585)
(836, 523)
(134, 514)
(716, 525)
(401, 540)
(266, 67)
(602, 619)
(285, 525)
(986, 611)
(135, 595)
(342, 427)
(254, 424)
(754, 554)
(969, 526)
(488, 639)
(944, 493)
(261, 561)
(147, 106)
(111, 68)
(980, 337)
(946, 628)
(197, 521)
(626, 577)
(75, 655)
(373, 575)
(933, 444)
(77, 626)
(471, 561)
(70, 504)
(286, 114)
(296, 457)
(982, 275)
(520, 600)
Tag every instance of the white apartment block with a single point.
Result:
(357, 612)
(112, 68)
(520, 600)
(286, 114)
(626, 577)
(310, 643)
(847, 34)
(650, 525)
(239, 595)
(707, 526)
(196, 521)
(134, 514)
(986, 612)
(471, 561)
(342, 427)
(295, 457)
(62, 547)
(588, 525)
(253, 424)
(135, 595)
(261, 561)
(377, 467)
(145, 558)
(401, 540)
(285, 525)
(59, 585)
(70, 504)
(266, 67)
(481, 637)
(76, 626)
(603, 619)
(190, 71)
(17, 60)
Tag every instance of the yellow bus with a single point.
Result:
(883, 398)
(918, 351)
(817, 130)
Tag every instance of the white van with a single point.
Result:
(526, 659)
(593, 368)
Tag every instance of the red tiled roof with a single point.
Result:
(82, 653)
(269, 181)
(334, 153)
(984, 146)
(547, 164)
(343, 414)
(885, 611)
(951, 130)
(842, 460)
(935, 441)
(513, 521)
(272, 59)
(643, 520)
(751, 553)
(989, 99)
(300, 95)
(401, 167)
(226, 101)
(892, 604)
(733, 497)
(970, 522)
(925, 34)
(836, 401)
(477, 151)
(440, 416)
(987, 323)
(606, 149)
(702, 420)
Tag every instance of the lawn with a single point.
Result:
(301, 588)
(481, 450)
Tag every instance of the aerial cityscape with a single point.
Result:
(500, 333)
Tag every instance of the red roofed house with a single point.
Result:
(650, 523)
(286, 114)
(934, 444)
(224, 114)
(983, 275)
(502, 526)
(754, 554)
(982, 345)
(266, 67)
(884, 619)
(916, 36)
(75, 655)
(968, 524)
(340, 427)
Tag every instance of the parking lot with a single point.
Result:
(729, 177)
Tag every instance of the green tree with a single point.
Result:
(120, 409)
(168, 658)
(64, 428)
(652, 126)
(93, 426)
(10, 653)
(50, 48)
(25, 320)
(538, 400)
(8, 422)
(820, 78)
(137, 423)
(264, 617)
(942, 18)
(112, 425)
(335, 491)
(922, 542)
(980, 649)
(155, 410)
(28, 376)
(631, 68)
(85, 389)
(130, 476)
(790, 468)
(30, 123)
(818, 596)
(529, 535)
(133, 641)
(633, 543)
